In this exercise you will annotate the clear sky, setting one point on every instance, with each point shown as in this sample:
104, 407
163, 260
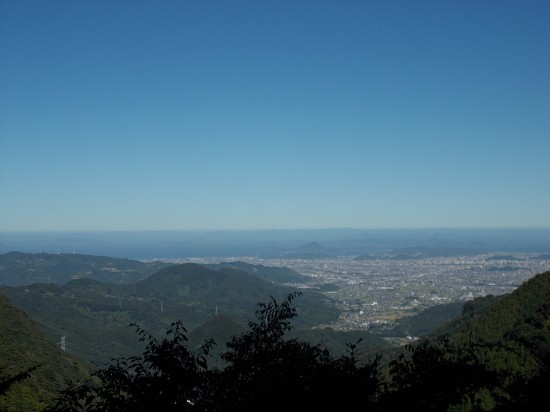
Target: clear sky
143, 115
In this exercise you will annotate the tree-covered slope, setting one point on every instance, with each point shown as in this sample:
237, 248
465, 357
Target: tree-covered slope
265, 371
17, 268
269, 273
94, 322
32, 369
493, 319
495, 356
426, 322
95, 316
228, 291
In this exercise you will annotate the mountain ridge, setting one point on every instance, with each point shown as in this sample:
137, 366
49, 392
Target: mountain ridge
18, 268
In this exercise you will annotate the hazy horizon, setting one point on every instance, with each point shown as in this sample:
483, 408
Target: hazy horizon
276, 243
140, 116
286, 229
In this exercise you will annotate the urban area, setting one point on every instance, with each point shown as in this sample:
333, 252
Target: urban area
377, 292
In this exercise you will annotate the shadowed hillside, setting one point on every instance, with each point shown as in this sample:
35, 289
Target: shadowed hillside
495, 357
32, 369
95, 316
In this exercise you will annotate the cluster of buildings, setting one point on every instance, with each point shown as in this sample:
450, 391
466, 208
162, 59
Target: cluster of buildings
378, 291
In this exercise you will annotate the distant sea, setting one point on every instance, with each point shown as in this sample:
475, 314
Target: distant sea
272, 243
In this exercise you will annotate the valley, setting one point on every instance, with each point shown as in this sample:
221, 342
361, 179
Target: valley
380, 302
374, 294
382, 298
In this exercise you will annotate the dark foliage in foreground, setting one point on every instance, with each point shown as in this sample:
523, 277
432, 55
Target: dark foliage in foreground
290, 373
262, 365
497, 359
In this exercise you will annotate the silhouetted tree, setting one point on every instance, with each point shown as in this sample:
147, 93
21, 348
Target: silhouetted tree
265, 371
166, 377
268, 372
439, 376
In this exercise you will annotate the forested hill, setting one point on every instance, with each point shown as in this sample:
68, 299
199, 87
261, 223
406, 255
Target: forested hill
269, 273
495, 356
17, 268
229, 291
497, 318
96, 315
32, 369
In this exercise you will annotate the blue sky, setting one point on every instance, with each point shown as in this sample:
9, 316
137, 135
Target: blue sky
143, 115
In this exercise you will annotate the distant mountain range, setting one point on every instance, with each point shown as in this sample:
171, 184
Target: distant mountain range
274, 243
311, 250
17, 268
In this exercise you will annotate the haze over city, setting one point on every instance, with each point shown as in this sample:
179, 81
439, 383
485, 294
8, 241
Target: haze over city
188, 115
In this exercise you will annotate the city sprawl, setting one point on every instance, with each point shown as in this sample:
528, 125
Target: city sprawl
375, 293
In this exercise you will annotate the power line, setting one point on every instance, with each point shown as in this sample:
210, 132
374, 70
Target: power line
74, 346
93, 359
94, 356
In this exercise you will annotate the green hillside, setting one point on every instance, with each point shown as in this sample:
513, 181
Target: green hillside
494, 319
32, 369
203, 291
426, 322
269, 273
95, 316
495, 356
512, 333
17, 268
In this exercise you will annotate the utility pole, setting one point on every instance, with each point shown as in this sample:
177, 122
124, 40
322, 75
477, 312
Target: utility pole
62, 343
161, 306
